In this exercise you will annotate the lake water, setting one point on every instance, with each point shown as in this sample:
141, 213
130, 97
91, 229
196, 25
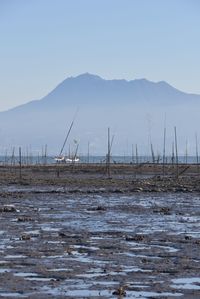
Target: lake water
7, 160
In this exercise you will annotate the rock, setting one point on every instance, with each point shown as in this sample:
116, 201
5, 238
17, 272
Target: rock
135, 238
188, 238
62, 235
98, 208
120, 292
24, 219
25, 237
137, 189
8, 209
164, 210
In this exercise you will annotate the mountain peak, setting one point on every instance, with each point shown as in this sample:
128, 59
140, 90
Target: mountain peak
88, 76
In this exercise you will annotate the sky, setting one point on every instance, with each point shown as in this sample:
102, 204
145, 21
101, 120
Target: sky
42, 42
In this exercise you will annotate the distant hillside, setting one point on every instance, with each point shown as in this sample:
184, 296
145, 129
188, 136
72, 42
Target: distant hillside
135, 111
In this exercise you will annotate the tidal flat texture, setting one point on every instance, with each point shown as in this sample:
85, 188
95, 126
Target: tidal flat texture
60, 245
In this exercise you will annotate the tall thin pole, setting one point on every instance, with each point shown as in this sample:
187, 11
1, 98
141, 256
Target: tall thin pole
13, 157
152, 154
26, 157
74, 157
176, 148
65, 141
197, 154
69, 151
30, 155
132, 154
5, 159
136, 153
88, 153
108, 154
136, 160
45, 154
186, 152
172, 153
164, 145
20, 163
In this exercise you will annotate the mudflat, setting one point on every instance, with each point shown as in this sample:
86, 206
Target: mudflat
71, 233
97, 178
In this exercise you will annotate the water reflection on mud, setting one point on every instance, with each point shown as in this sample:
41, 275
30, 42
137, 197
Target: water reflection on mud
88, 246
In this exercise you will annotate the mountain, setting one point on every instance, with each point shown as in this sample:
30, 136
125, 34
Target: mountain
135, 110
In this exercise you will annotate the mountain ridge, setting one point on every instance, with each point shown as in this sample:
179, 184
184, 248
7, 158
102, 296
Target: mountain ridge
87, 78
119, 103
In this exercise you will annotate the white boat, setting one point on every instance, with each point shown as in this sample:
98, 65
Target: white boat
63, 159
70, 158
60, 159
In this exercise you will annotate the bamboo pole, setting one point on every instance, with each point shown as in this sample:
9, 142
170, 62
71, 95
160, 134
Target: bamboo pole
45, 154
172, 153
88, 153
5, 158
186, 152
136, 160
164, 145
132, 153
197, 154
176, 148
152, 154
108, 155
136, 154
74, 157
13, 157
20, 163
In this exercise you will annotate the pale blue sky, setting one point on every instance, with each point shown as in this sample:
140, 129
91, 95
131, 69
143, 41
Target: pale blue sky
44, 41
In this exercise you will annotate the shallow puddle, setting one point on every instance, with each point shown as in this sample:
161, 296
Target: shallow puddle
17, 256
60, 270
26, 274
144, 294
76, 293
190, 283
11, 295
5, 270
43, 279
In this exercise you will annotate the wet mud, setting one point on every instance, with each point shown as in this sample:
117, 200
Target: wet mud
60, 244
95, 178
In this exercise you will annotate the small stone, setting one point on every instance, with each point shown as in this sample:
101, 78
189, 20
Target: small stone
120, 292
25, 237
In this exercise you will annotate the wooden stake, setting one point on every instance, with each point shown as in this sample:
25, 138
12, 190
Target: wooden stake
176, 147
172, 153
88, 153
136, 160
136, 154
20, 163
164, 151
186, 152
132, 154
197, 154
108, 154
152, 154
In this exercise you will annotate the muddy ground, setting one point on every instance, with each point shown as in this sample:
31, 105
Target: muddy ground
95, 178
89, 236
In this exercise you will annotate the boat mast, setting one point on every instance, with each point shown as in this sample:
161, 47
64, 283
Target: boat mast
70, 128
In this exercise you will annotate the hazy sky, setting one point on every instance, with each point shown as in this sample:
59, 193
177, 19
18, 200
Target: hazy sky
45, 41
